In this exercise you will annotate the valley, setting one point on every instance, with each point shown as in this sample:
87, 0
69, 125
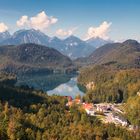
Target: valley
63, 112
110, 74
69, 70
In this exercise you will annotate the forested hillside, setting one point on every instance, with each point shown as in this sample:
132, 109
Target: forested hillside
110, 84
120, 55
26, 114
32, 58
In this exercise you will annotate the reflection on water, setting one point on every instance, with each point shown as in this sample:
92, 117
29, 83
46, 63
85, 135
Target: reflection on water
43, 82
67, 89
60, 84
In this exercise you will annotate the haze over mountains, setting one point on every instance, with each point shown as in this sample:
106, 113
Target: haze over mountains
98, 42
71, 46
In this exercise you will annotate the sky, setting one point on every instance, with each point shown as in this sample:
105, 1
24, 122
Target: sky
108, 19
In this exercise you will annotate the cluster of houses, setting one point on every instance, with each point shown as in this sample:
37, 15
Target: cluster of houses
89, 108
115, 118
120, 120
106, 109
72, 102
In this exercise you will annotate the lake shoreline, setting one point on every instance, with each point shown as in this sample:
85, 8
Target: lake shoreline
52, 84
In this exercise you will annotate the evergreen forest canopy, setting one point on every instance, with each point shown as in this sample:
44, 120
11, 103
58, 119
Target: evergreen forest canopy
30, 114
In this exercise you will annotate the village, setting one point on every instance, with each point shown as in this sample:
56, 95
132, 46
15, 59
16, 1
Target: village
106, 112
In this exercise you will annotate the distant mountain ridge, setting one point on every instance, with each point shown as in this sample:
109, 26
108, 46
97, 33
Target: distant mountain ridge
126, 54
26, 36
4, 36
71, 46
98, 42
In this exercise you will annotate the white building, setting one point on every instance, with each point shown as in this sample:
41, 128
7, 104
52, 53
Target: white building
120, 120
90, 111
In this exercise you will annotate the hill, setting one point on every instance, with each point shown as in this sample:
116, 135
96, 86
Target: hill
126, 54
107, 84
29, 58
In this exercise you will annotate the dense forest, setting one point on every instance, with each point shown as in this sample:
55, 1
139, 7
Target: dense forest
28, 114
113, 85
132, 109
110, 85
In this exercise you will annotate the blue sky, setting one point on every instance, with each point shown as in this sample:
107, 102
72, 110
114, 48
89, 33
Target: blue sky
77, 16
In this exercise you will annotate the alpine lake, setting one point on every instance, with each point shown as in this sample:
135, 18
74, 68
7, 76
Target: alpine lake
52, 84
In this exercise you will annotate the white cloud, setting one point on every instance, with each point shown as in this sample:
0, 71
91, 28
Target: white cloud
64, 33
39, 22
3, 27
23, 21
61, 32
100, 31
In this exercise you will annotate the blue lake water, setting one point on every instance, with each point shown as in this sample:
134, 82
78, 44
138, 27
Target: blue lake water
59, 84
69, 88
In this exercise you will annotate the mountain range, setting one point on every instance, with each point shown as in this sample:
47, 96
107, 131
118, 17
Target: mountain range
4, 36
98, 42
71, 46
122, 55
